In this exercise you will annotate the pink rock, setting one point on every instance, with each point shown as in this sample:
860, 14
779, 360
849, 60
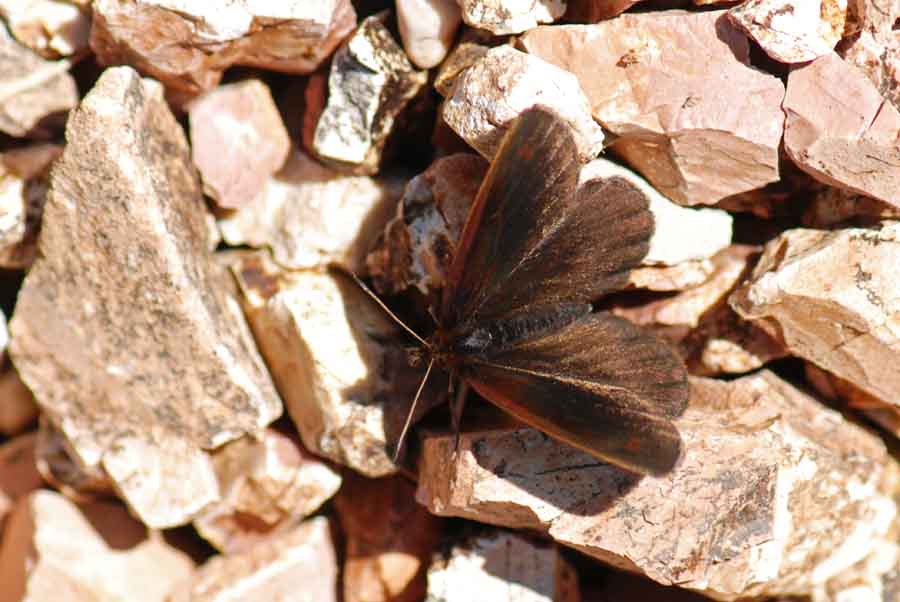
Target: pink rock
427, 28
841, 131
238, 141
699, 130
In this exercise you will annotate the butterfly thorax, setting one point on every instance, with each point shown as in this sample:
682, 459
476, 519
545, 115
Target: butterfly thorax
482, 338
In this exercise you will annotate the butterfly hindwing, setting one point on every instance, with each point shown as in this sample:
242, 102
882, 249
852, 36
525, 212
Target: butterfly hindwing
600, 384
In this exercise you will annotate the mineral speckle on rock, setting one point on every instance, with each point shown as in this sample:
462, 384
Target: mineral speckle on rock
370, 83
785, 493
133, 345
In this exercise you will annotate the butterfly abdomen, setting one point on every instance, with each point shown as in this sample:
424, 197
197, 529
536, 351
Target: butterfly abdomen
496, 335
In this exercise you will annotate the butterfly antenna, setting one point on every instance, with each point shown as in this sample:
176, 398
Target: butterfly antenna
393, 316
412, 410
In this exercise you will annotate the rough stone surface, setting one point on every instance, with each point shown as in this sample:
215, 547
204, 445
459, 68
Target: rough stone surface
187, 45
309, 215
55, 550
336, 357
833, 206
510, 16
841, 131
774, 494
833, 298
52, 28
389, 539
18, 473
686, 274
61, 467
791, 31
699, 131
370, 83
472, 46
18, 409
237, 141
427, 28
35, 94
24, 177
873, 45
488, 96
268, 485
502, 566
134, 345
297, 566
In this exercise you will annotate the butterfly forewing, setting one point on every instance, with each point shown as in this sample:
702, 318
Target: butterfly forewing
600, 384
532, 241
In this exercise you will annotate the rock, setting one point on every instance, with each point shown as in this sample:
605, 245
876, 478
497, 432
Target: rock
52, 28
774, 494
336, 358
872, 44
61, 467
427, 28
680, 234
18, 409
699, 132
832, 206
268, 485
297, 566
54, 549
723, 343
594, 11
510, 16
686, 274
832, 298
187, 45
841, 131
37, 94
389, 539
791, 31
18, 473
370, 84
133, 345
24, 177
472, 46
417, 246
238, 141
488, 96
310, 215
502, 566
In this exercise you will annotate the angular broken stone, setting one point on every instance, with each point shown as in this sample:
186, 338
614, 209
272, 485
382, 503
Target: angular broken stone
370, 83
299, 565
472, 46
85, 553
792, 31
24, 177
61, 467
833, 206
36, 93
594, 11
309, 215
510, 16
832, 297
774, 494
268, 485
841, 131
502, 566
18, 473
417, 246
698, 131
337, 359
159, 364
237, 141
427, 28
187, 45
683, 275
871, 43
723, 343
488, 96
52, 28
389, 539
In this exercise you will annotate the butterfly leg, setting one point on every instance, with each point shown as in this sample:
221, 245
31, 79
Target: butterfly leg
457, 403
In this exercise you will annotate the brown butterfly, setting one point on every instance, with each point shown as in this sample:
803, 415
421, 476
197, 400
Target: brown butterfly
515, 320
